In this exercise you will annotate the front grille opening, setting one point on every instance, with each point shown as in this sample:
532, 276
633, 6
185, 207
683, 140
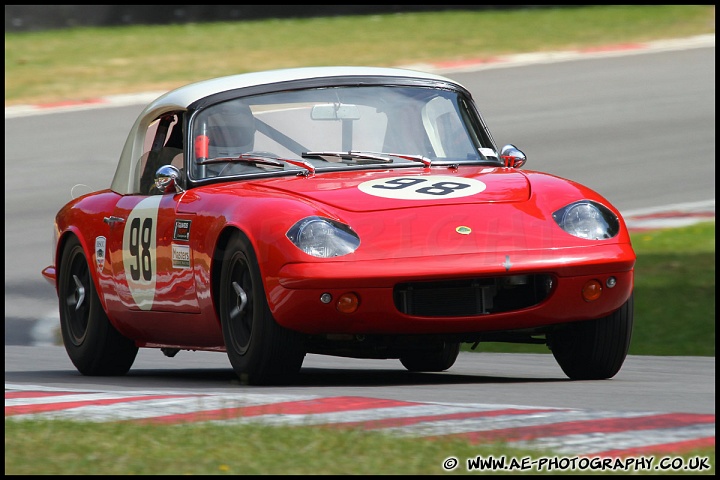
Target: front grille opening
477, 296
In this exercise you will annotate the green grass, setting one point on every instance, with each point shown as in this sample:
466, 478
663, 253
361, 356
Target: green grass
675, 292
83, 63
84, 448
675, 271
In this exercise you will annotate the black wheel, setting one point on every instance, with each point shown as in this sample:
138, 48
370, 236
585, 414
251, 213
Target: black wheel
436, 360
260, 351
94, 346
596, 349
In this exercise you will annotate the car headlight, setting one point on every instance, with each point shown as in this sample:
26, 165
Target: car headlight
323, 238
587, 219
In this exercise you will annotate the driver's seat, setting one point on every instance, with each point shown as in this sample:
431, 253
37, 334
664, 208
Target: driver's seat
235, 135
229, 140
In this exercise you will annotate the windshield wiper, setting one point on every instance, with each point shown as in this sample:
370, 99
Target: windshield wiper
351, 156
262, 160
415, 158
359, 157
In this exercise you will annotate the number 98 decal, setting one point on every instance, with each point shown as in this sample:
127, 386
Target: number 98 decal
139, 251
422, 187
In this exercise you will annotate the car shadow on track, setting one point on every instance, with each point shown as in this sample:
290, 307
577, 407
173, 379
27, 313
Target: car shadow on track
317, 377
308, 377
205, 379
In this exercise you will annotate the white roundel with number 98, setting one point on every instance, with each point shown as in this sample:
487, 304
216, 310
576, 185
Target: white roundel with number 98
422, 187
139, 251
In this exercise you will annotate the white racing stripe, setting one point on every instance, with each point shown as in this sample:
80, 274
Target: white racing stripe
354, 416
141, 409
134, 408
502, 422
70, 398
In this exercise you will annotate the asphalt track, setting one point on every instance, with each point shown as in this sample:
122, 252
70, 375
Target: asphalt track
488, 397
590, 430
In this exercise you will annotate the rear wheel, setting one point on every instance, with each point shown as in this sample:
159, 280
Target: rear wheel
595, 349
436, 360
94, 346
260, 350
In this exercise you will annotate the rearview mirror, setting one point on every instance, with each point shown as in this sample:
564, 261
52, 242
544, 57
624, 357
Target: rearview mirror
335, 111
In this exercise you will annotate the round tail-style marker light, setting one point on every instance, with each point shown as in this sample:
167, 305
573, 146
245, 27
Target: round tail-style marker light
591, 290
347, 303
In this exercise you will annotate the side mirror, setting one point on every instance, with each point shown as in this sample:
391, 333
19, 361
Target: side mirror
167, 178
512, 157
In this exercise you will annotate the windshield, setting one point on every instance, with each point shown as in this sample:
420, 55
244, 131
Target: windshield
320, 129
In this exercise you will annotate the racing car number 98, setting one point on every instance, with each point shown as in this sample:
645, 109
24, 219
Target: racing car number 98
422, 187
139, 251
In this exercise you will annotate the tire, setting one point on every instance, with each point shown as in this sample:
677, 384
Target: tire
596, 349
436, 360
94, 346
260, 351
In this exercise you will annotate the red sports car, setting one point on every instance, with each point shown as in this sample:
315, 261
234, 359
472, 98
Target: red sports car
348, 211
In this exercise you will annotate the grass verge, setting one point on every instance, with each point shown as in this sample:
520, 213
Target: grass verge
63, 448
84, 63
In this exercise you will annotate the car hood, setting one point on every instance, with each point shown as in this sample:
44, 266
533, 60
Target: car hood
397, 189
408, 213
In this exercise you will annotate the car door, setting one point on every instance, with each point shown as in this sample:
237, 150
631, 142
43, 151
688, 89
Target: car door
151, 256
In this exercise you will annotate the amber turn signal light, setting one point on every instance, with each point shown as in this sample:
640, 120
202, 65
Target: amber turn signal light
348, 303
591, 290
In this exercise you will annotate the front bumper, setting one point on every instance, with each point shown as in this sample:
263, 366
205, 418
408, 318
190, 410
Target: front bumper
295, 294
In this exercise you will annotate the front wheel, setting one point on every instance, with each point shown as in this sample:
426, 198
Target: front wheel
595, 349
436, 360
94, 346
260, 351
